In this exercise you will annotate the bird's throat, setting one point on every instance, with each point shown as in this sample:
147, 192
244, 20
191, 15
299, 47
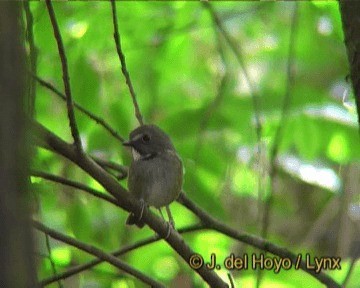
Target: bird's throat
136, 155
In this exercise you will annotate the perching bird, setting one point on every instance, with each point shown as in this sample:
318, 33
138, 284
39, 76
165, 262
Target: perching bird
156, 173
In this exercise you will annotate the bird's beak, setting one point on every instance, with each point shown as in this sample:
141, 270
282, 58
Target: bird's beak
128, 143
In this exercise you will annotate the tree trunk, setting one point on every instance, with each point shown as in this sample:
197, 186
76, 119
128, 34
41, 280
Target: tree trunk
351, 22
16, 250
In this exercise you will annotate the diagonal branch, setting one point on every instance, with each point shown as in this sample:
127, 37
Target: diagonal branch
98, 253
66, 78
282, 123
52, 264
235, 47
123, 63
74, 184
110, 165
92, 116
266, 217
218, 99
80, 268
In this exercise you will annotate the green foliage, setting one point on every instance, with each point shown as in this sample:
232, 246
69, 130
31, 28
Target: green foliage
174, 62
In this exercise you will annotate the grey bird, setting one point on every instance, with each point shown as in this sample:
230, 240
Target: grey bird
156, 173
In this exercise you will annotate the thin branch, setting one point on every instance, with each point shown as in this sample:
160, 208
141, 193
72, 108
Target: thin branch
92, 116
284, 114
76, 185
125, 200
232, 284
98, 253
220, 93
33, 56
80, 268
349, 273
47, 241
212, 223
265, 223
66, 78
123, 63
235, 47
122, 170
320, 226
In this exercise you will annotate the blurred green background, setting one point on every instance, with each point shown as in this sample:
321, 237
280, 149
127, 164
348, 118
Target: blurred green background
177, 61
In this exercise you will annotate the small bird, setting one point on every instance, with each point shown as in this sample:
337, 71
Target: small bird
156, 173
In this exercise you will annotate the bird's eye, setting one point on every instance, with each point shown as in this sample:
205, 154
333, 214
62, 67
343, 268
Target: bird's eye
145, 138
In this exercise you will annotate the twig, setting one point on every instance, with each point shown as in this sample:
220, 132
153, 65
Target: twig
66, 78
348, 274
47, 241
284, 114
232, 284
321, 225
212, 223
74, 184
265, 223
123, 170
80, 268
98, 253
216, 101
92, 116
33, 56
235, 47
123, 63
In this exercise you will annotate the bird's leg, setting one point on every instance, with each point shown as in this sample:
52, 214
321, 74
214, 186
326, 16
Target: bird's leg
168, 223
162, 215
171, 219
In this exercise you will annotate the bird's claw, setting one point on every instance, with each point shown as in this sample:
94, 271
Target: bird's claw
170, 225
142, 208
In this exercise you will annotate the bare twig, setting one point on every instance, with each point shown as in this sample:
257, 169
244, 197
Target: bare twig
80, 268
235, 47
349, 273
123, 63
76, 185
232, 284
92, 116
122, 170
267, 246
284, 115
265, 223
98, 253
33, 56
47, 241
66, 78
320, 226
220, 93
